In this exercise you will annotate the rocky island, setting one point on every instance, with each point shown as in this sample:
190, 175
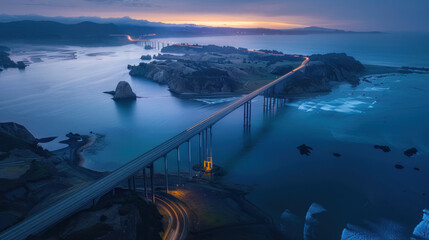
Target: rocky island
123, 92
214, 70
208, 70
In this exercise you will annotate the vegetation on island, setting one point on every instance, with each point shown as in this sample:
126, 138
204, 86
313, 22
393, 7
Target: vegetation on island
207, 70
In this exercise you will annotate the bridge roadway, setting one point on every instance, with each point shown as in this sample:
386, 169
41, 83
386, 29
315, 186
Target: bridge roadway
65, 207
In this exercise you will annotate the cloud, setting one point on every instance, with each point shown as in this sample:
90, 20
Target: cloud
130, 3
347, 14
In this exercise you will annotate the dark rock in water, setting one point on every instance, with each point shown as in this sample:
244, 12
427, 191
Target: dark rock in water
5, 61
399, 166
336, 155
384, 148
73, 139
71, 135
417, 169
20, 65
123, 92
304, 149
110, 92
148, 47
146, 57
410, 152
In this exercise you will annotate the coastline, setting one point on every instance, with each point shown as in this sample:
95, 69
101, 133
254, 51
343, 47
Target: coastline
75, 157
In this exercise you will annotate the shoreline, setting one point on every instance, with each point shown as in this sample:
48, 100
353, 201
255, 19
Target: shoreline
75, 158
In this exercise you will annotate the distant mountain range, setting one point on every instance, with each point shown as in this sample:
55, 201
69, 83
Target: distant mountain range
40, 27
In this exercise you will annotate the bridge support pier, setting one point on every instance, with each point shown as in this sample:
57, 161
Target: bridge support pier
134, 183
144, 182
211, 143
208, 160
200, 148
189, 159
166, 172
178, 166
247, 113
151, 183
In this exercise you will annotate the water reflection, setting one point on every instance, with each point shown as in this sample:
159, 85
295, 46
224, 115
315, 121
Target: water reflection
126, 109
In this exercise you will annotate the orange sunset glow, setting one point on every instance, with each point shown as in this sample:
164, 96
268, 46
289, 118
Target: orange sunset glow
239, 24
219, 20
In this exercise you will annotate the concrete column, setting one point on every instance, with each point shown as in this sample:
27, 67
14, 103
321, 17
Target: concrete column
207, 146
166, 172
211, 142
200, 147
144, 182
151, 182
250, 112
189, 159
178, 166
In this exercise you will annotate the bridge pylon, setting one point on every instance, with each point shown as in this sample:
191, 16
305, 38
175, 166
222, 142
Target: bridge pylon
208, 164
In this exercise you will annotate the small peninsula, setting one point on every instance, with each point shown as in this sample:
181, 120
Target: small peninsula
6, 62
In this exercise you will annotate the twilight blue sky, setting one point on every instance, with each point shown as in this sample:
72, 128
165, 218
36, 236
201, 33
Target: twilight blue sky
361, 15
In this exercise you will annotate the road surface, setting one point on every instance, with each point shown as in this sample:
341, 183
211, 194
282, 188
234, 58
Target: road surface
178, 224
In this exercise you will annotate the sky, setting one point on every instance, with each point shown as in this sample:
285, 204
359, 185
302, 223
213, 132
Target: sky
357, 15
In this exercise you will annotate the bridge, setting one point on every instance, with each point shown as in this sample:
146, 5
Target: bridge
87, 195
153, 43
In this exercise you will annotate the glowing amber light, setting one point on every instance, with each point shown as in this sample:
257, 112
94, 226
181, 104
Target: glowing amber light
208, 164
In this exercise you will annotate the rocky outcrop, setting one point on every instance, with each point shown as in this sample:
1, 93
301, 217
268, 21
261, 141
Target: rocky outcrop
304, 149
410, 152
14, 135
382, 147
6, 62
146, 57
421, 231
123, 92
291, 225
316, 223
30, 177
322, 71
374, 230
183, 77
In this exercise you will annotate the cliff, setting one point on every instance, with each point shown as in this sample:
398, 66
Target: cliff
6, 62
324, 70
30, 176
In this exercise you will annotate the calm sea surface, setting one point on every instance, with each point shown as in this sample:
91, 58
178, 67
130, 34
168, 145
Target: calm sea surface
62, 91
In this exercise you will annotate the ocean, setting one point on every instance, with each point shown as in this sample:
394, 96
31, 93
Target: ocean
62, 91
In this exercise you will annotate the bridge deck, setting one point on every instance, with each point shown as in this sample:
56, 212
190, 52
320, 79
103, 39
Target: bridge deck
73, 203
